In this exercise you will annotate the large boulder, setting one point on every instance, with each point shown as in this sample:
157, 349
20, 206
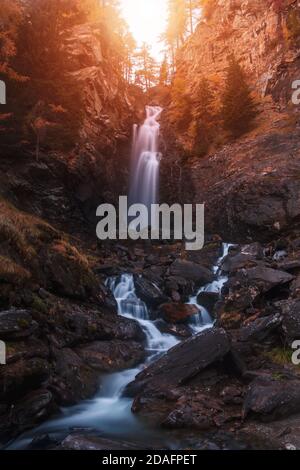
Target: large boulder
183, 362
208, 300
267, 278
148, 292
191, 271
177, 312
110, 356
290, 310
270, 399
258, 330
232, 264
72, 379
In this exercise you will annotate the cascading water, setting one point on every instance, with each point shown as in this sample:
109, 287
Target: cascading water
145, 161
110, 412
203, 319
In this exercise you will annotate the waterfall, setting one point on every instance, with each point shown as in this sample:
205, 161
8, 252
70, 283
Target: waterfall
144, 181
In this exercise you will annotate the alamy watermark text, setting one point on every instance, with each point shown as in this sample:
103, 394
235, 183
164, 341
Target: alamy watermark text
157, 222
2, 92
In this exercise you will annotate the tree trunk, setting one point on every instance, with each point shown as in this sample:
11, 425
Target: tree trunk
37, 150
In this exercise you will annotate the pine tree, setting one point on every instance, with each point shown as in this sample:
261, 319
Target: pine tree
12, 13
238, 106
146, 73
203, 117
180, 109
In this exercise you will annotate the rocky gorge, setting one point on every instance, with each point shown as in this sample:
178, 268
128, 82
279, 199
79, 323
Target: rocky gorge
231, 383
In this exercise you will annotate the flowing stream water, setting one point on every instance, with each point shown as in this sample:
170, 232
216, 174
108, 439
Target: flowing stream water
109, 413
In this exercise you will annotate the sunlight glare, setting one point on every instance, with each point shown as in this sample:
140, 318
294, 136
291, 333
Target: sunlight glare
147, 21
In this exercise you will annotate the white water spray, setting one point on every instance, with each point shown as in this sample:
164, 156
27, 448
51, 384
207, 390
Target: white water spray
144, 182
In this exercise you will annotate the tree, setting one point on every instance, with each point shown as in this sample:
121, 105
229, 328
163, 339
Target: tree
146, 67
238, 106
129, 47
12, 13
193, 12
180, 109
177, 21
208, 8
182, 15
164, 72
204, 117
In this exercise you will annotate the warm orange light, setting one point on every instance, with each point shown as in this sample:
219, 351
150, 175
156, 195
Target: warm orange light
146, 20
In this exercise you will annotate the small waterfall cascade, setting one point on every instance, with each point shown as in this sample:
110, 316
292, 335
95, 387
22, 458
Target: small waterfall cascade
109, 412
203, 319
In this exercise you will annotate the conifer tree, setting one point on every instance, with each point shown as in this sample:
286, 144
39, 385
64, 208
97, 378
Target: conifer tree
238, 106
203, 117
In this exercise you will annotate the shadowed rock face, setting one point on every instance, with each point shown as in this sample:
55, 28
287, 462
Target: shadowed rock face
250, 188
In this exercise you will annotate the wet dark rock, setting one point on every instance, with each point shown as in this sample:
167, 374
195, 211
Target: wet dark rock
191, 271
183, 362
177, 312
283, 434
32, 409
208, 300
289, 265
72, 379
31, 348
244, 290
182, 287
67, 273
15, 324
232, 395
295, 287
110, 356
232, 264
18, 378
80, 325
179, 330
148, 292
83, 442
255, 249
209, 254
267, 278
258, 330
186, 417
290, 310
269, 399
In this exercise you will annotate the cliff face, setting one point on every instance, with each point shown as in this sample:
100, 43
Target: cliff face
108, 108
264, 37
75, 178
101, 160
250, 185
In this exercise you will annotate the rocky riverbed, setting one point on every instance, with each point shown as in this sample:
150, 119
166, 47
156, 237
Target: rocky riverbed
236, 378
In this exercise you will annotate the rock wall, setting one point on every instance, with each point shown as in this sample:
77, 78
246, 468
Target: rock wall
258, 33
250, 186
101, 162
69, 184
